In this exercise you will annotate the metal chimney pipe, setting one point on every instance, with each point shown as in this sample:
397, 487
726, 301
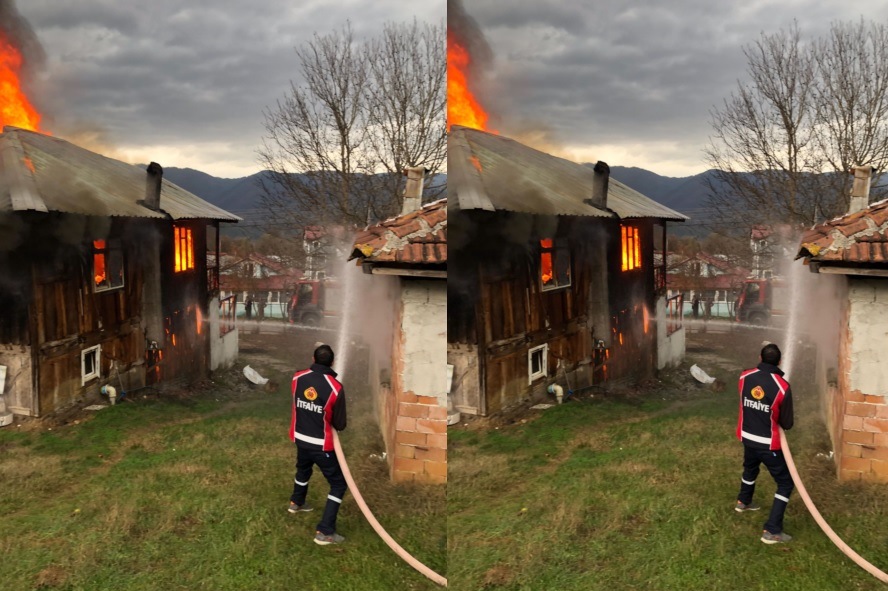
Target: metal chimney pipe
413, 191
600, 184
152, 186
860, 189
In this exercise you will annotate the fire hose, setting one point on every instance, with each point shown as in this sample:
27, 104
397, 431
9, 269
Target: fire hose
406, 556
848, 551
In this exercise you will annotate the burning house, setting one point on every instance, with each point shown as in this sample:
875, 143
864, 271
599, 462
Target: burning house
412, 402
854, 250
104, 275
553, 276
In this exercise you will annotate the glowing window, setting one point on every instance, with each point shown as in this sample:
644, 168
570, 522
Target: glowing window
184, 249
631, 247
554, 264
107, 266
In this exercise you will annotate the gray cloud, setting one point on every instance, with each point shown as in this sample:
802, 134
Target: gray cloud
634, 74
193, 77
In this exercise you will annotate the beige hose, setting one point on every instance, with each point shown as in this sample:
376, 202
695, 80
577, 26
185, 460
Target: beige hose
376, 526
862, 562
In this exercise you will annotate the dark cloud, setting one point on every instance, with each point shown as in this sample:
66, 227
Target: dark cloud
633, 74
192, 77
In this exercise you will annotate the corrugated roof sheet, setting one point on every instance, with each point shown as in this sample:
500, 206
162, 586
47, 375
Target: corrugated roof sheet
493, 172
43, 173
416, 238
860, 237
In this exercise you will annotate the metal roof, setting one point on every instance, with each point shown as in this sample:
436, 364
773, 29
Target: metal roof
43, 173
493, 172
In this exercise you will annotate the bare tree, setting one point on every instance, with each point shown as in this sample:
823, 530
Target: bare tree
337, 144
783, 144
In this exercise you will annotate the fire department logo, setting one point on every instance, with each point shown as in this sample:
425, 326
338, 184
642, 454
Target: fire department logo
311, 393
757, 393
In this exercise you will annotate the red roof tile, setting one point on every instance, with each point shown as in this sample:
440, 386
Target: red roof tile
416, 238
861, 237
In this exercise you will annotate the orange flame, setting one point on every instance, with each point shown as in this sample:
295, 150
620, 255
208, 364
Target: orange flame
646, 319
199, 319
15, 108
99, 262
546, 273
462, 106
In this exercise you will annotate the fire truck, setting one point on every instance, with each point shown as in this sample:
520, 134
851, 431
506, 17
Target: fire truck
313, 300
763, 301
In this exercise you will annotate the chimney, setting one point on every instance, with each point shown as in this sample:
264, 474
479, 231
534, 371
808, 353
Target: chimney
860, 189
152, 186
413, 191
599, 185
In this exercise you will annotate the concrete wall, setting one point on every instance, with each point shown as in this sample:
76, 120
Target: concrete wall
224, 349
671, 348
419, 382
861, 439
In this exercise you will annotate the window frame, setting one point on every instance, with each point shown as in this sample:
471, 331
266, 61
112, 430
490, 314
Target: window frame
96, 373
110, 247
630, 248
183, 238
560, 247
544, 367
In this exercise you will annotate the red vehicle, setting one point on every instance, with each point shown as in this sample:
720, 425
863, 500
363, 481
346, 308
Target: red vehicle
762, 301
312, 300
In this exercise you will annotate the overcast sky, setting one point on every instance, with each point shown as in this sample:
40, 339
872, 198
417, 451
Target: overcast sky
630, 82
183, 83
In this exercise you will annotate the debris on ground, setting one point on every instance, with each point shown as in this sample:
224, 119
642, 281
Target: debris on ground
252, 375
700, 375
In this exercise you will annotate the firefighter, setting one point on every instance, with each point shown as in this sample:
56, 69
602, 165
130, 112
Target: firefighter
765, 404
318, 408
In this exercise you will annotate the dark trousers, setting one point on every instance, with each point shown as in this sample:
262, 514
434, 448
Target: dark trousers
776, 465
329, 465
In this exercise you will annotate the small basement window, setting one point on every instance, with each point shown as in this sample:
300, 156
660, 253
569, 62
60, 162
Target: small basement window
537, 360
90, 364
108, 268
631, 247
184, 249
554, 264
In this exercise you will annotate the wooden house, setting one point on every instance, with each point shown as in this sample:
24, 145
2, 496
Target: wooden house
104, 275
553, 278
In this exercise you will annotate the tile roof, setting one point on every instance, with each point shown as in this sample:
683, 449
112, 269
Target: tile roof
860, 238
416, 238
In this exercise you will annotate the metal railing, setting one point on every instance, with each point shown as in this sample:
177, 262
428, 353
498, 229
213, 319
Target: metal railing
674, 307
227, 312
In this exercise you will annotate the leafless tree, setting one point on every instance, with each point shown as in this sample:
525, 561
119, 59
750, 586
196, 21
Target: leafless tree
783, 144
337, 144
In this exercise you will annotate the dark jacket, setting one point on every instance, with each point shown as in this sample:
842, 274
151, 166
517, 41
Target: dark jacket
765, 403
318, 407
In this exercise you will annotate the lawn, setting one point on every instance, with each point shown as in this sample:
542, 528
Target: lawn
634, 489
189, 489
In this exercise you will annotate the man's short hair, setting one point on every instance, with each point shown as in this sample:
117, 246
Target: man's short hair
323, 355
771, 354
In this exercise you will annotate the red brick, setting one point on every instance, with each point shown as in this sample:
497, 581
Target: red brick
420, 411
882, 411
846, 475
438, 412
851, 451
427, 400
880, 439
874, 399
875, 453
431, 478
856, 464
408, 465
860, 409
408, 438
408, 397
858, 437
875, 425
406, 424
405, 451
398, 476
855, 396
436, 440
431, 426
852, 423
436, 468
881, 469
433, 454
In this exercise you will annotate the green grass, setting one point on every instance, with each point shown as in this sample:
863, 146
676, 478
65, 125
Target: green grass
191, 494
636, 492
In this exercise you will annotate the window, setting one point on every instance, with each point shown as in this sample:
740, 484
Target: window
184, 249
90, 364
554, 264
537, 359
631, 247
107, 266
